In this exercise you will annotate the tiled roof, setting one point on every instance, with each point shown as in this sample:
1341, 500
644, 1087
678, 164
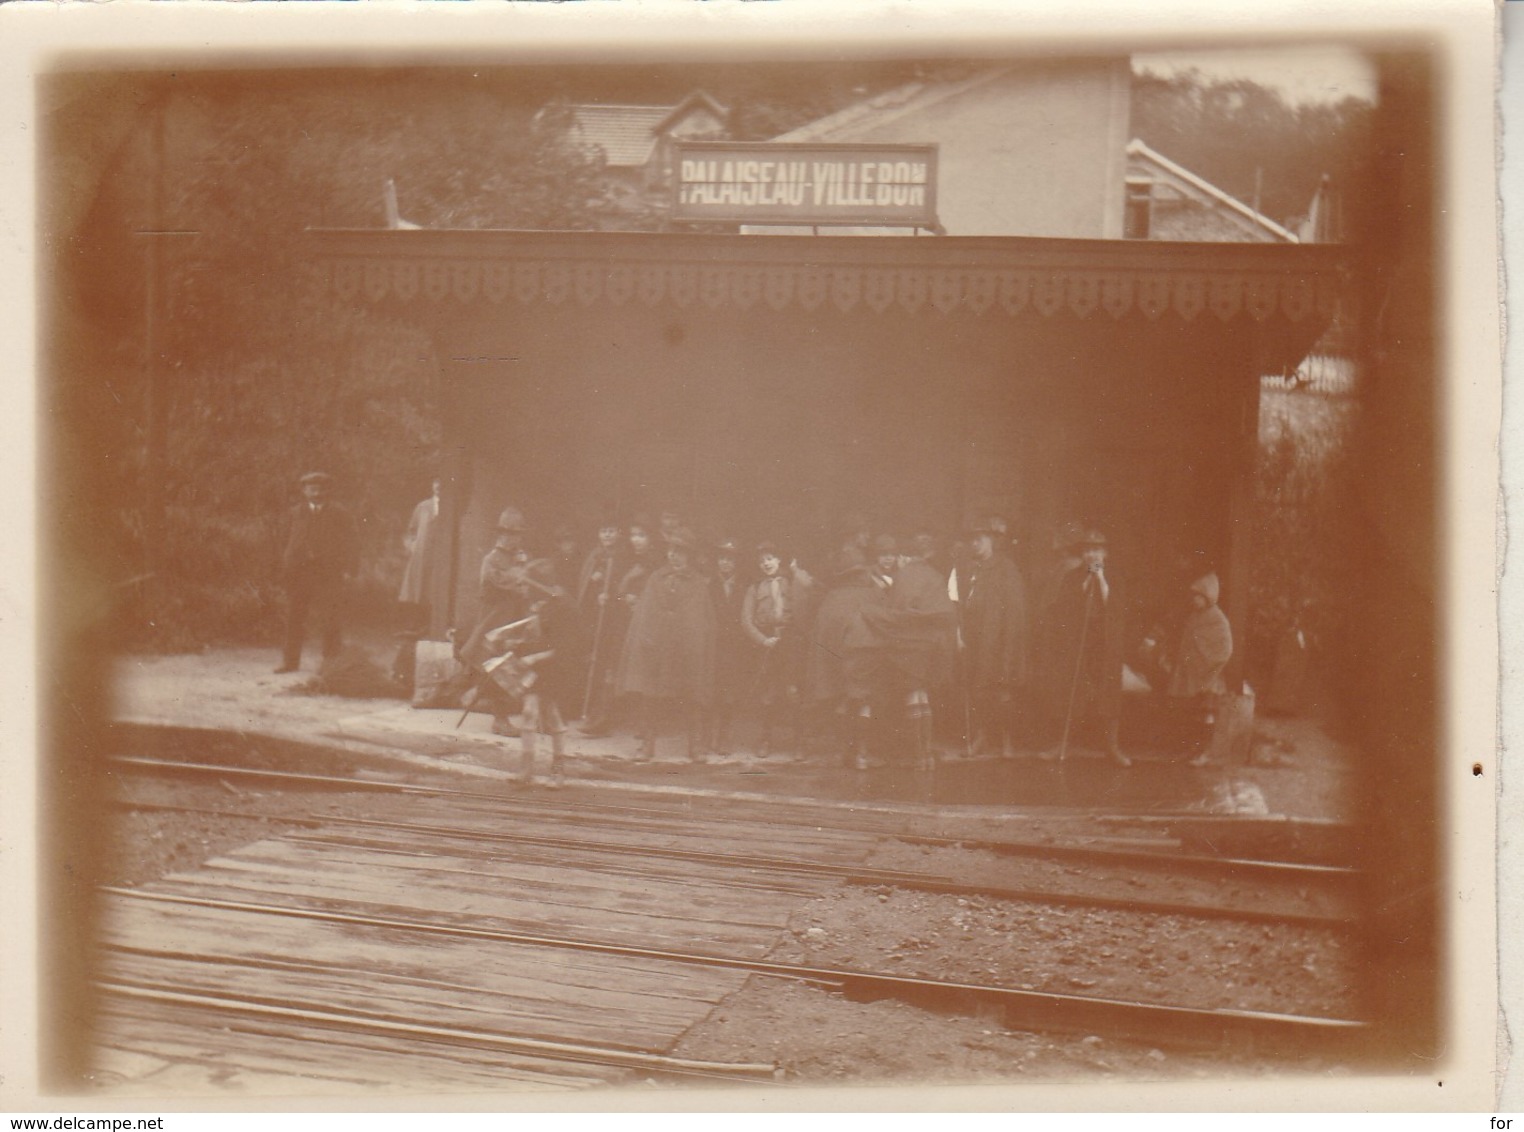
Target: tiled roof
881, 108
624, 133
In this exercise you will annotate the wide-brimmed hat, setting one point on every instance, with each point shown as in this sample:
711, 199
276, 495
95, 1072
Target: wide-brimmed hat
511, 520
322, 479
727, 548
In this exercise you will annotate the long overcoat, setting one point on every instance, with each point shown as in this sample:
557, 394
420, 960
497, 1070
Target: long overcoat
917, 624
840, 634
996, 637
1082, 647
423, 545
669, 648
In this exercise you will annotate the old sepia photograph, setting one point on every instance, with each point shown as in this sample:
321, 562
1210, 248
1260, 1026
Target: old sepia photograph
795, 558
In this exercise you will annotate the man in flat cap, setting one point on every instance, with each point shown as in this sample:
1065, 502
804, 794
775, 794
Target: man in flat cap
322, 552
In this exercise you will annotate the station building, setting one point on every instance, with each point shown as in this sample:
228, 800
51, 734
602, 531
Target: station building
1028, 361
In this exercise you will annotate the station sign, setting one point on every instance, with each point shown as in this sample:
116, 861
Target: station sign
802, 183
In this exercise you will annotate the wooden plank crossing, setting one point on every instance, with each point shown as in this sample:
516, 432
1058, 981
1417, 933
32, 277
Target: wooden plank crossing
246, 999
154, 1049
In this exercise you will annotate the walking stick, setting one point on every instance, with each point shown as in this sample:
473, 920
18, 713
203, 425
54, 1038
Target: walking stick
968, 718
968, 710
1079, 661
592, 662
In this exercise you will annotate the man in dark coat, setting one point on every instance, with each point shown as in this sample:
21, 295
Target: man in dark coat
993, 627
669, 649
322, 552
917, 624
1083, 661
841, 665
731, 649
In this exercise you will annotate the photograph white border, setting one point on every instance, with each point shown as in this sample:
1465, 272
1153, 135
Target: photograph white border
138, 34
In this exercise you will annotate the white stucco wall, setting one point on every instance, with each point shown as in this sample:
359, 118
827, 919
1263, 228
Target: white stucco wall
1037, 150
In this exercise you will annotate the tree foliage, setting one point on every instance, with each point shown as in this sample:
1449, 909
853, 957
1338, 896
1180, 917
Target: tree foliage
1249, 141
254, 380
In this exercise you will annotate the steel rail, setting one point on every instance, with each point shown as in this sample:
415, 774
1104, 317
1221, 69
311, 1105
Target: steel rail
1231, 867
861, 876
855, 875
1235, 868
392, 1026
1020, 1009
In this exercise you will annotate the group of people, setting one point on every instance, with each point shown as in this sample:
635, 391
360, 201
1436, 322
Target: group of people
654, 631
882, 641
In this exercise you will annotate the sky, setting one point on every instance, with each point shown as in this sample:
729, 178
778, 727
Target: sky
1301, 74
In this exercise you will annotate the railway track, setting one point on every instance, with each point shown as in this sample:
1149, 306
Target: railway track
1156, 847
375, 930
575, 840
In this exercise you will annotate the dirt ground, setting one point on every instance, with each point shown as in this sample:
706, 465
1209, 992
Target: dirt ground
813, 1035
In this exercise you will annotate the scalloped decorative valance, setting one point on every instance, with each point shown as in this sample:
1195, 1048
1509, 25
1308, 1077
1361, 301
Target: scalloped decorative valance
1078, 292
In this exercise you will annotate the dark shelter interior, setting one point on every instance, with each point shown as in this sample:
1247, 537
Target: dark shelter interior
768, 387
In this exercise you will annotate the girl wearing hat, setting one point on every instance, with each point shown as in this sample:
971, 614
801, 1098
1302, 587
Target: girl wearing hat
1195, 667
770, 615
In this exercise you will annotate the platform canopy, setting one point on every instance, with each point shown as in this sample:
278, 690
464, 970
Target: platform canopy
766, 385
1278, 286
